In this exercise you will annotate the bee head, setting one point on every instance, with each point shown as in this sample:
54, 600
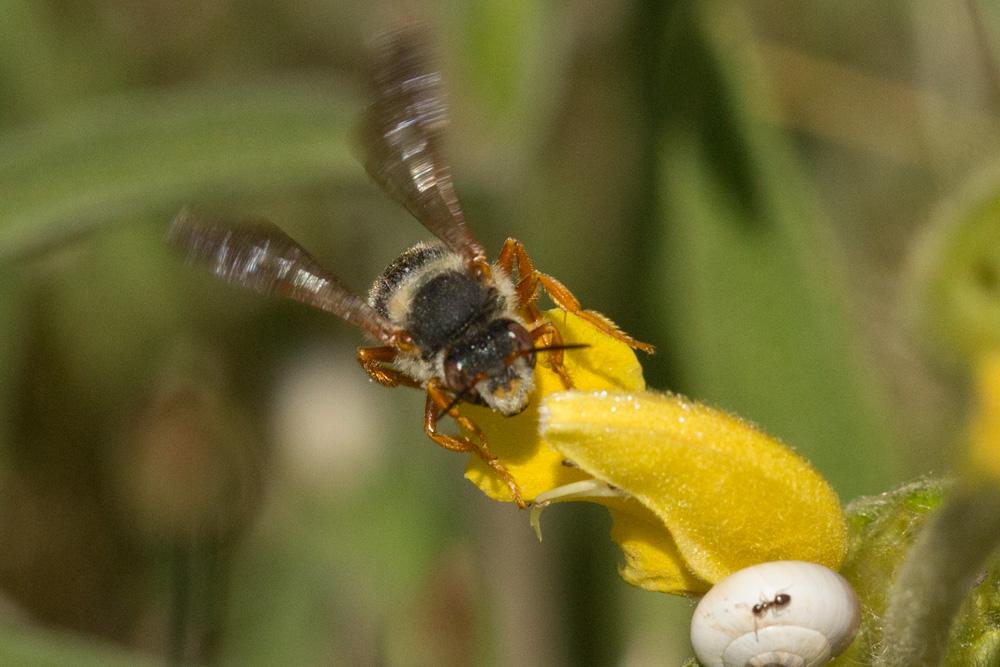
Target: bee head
495, 364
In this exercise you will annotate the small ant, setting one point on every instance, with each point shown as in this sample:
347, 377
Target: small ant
780, 600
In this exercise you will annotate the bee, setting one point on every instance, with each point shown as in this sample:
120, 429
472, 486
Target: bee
445, 319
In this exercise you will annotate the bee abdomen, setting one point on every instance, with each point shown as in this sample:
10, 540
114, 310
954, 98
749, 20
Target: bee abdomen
397, 273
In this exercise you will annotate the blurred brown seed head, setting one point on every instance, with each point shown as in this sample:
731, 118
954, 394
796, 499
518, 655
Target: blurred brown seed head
189, 461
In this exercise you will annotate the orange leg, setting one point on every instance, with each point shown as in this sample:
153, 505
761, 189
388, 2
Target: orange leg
513, 254
565, 300
438, 400
371, 360
551, 336
506, 257
527, 286
528, 279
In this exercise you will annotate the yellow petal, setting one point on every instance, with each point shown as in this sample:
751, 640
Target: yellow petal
729, 495
652, 559
606, 364
985, 436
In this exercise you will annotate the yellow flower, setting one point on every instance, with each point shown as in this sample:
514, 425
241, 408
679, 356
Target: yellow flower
694, 493
728, 495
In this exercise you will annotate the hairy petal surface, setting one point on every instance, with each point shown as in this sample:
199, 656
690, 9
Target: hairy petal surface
729, 495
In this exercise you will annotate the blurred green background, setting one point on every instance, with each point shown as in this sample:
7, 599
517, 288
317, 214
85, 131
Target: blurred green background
194, 474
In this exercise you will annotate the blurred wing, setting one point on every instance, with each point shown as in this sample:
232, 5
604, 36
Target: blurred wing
263, 258
401, 136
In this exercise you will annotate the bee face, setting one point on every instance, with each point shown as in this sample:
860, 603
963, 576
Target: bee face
495, 361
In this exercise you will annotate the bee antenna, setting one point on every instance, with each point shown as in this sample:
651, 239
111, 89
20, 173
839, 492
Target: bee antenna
547, 348
561, 346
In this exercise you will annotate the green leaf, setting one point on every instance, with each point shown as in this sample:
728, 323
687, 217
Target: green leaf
753, 292
144, 151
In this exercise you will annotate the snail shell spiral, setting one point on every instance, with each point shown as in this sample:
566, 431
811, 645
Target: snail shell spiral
783, 613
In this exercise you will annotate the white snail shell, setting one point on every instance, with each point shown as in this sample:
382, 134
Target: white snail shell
817, 621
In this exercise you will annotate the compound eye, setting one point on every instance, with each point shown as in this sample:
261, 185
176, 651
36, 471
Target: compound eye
522, 343
454, 374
